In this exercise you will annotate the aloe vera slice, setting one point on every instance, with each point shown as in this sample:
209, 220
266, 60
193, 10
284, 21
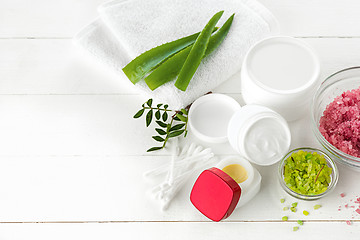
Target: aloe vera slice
171, 67
141, 65
196, 54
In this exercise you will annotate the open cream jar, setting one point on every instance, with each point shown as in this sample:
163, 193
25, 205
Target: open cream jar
221, 189
258, 133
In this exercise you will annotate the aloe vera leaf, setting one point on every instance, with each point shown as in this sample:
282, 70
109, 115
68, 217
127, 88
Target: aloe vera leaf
141, 65
196, 54
171, 67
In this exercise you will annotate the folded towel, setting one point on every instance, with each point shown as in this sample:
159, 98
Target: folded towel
127, 28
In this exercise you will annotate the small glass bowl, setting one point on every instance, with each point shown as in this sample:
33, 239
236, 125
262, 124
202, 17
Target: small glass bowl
332, 87
334, 175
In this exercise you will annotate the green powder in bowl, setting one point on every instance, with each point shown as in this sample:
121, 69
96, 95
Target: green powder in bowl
307, 173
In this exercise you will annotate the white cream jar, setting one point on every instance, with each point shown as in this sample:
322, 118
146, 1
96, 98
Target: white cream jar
258, 133
280, 73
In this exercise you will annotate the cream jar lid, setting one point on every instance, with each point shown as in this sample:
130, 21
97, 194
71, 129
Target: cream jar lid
209, 117
283, 65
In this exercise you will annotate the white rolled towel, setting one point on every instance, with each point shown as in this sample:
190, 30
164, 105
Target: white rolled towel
127, 28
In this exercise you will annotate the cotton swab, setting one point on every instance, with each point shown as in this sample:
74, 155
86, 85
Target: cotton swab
183, 163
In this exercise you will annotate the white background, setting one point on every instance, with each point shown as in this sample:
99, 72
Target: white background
72, 157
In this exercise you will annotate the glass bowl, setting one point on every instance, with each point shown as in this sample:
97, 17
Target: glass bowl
330, 163
332, 87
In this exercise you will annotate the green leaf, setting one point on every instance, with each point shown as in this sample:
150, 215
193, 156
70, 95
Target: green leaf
170, 68
161, 124
149, 116
159, 105
154, 149
177, 127
181, 117
149, 102
150, 59
184, 111
196, 53
166, 106
176, 133
160, 131
168, 127
165, 116
157, 114
139, 113
158, 138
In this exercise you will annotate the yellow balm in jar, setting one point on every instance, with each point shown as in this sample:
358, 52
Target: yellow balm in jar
244, 174
236, 172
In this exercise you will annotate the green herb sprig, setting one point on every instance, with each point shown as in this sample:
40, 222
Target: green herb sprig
167, 128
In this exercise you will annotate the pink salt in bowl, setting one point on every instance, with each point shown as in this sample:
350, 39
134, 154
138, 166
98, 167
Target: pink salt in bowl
336, 116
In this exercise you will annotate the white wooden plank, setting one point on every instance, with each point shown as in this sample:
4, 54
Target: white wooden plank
316, 18
113, 189
76, 125
68, 125
56, 67
42, 18
191, 231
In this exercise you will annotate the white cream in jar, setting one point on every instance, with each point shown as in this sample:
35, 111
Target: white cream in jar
259, 134
265, 140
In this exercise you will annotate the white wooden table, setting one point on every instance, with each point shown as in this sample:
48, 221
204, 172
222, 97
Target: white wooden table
72, 157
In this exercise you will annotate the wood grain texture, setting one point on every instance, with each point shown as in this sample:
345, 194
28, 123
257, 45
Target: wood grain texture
62, 19
112, 188
71, 151
55, 66
179, 231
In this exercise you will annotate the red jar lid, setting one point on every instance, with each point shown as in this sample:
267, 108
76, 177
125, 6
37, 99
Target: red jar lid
215, 194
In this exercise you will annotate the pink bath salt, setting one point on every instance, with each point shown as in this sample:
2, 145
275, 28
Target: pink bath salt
340, 123
348, 222
342, 194
347, 205
358, 210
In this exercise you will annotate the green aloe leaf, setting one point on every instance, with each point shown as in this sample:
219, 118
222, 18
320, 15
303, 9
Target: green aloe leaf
172, 67
148, 60
196, 54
